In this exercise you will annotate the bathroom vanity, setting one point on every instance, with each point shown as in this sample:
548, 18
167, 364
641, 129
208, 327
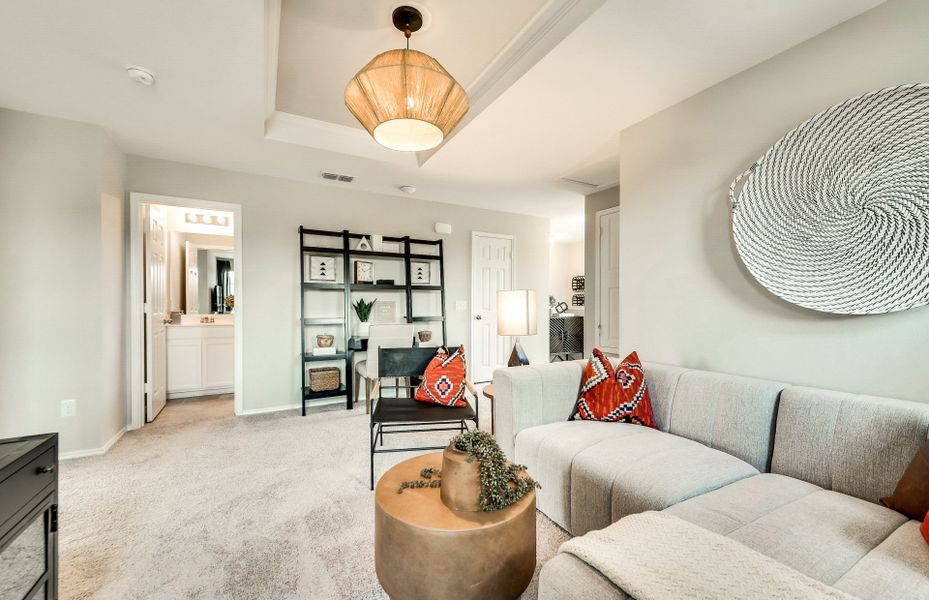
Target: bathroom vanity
200, 357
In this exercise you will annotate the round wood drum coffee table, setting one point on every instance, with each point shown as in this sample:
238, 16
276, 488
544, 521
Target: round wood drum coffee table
424, 550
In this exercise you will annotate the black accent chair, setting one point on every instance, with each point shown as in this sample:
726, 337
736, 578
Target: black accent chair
404, 414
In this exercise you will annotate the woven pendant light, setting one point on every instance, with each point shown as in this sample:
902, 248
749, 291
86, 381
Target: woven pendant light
404, 98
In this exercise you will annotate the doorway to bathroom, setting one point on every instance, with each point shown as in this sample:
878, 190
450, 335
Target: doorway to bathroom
186, 301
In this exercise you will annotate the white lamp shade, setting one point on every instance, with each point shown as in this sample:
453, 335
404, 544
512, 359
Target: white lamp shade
516, 312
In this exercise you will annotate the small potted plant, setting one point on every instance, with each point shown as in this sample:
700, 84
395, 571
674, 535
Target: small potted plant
475, 475
363, 312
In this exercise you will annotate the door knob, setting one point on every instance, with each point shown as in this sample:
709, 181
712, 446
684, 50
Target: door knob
477, 317
46, 469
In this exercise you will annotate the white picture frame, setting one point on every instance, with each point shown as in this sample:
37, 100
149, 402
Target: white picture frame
320, 268
420, 272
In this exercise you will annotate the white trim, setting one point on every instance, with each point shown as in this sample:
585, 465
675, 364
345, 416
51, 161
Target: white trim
202, 392
278, 408
476, 234
94, 451
596, 316
272, 46
135, 409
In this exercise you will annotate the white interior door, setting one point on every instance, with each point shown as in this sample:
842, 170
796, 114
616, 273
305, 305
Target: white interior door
607, 314
156, 301
491, 270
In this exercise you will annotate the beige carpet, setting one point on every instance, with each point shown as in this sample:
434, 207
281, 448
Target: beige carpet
203, 504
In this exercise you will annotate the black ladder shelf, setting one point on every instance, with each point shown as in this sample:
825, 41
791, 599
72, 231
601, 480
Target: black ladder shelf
345, 351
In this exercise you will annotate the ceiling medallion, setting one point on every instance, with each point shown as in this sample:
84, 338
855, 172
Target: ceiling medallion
404, 98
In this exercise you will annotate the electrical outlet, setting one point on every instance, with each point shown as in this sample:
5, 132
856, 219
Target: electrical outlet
68, 408
461, 305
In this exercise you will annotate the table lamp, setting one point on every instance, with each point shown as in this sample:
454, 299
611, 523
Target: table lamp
516, 316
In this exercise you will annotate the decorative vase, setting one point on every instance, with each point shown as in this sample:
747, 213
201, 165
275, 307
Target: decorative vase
324, 340
364, 328
461, 481
425, 335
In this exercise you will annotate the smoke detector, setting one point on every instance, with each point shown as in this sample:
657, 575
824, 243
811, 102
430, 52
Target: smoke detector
408, 189
140, 75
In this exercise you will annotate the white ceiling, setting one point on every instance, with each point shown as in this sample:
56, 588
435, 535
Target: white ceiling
549, 104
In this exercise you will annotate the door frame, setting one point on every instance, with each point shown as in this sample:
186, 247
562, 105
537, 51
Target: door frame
476, 234
136, 400
597, 280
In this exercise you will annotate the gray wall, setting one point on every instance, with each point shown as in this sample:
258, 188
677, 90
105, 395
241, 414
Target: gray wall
272, 209
601, 200
686, 299
62, 270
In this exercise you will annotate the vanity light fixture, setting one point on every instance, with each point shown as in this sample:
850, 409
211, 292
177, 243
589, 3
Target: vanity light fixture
205, 219
404, 98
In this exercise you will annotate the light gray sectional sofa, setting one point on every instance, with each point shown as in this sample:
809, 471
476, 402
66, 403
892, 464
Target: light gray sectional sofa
793, 473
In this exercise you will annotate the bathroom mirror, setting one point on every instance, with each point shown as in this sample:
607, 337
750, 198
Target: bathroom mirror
210, 280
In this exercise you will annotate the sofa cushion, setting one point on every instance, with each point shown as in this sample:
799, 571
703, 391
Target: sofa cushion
857, 445
818, 532
650, 470
567, 576
730, 413
662, 384
548, 451
897, 569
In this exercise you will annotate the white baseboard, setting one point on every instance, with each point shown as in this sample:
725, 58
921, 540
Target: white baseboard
268, 409
203, 392
93, 451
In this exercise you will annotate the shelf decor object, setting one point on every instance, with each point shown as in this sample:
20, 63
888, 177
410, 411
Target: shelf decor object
420, 272
577, 283
364, 271
322, 268
516, 316
577, 300
321, 300
834, 216
404, 98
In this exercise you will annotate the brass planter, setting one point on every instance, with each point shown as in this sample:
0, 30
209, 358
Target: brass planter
461, 480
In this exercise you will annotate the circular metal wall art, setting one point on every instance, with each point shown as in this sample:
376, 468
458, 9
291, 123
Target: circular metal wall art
835, 216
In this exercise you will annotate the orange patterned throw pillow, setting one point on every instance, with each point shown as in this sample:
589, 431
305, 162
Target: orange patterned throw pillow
443, 381
617, 395
924, 529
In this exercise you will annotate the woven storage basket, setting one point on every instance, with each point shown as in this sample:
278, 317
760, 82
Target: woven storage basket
324, 379
835, 216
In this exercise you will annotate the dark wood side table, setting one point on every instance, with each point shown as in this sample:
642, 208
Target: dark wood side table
424, 550
488, 392
29, 517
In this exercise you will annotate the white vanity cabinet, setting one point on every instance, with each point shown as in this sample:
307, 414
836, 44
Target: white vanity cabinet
200, 360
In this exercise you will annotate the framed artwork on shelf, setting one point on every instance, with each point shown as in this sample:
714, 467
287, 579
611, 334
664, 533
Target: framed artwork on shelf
577, 300
385, 311
420, 273
577, 283
319, 268
364, 271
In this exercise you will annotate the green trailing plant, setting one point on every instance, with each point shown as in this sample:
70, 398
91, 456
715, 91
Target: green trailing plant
427, 480
502, 483
363, 309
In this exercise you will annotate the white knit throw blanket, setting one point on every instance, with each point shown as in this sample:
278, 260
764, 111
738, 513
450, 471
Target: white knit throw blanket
657, 556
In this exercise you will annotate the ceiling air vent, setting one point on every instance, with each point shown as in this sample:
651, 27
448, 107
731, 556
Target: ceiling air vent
337, 177
579, 182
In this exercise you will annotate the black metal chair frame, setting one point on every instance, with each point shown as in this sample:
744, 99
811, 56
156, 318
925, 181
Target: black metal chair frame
408, 365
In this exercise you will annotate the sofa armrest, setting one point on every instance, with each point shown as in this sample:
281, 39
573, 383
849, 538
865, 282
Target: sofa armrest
533, 395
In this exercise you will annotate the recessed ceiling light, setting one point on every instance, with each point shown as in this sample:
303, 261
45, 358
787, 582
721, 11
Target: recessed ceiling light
408, 189
140, 75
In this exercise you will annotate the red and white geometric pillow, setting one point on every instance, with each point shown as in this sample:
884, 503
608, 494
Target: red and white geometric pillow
443, 381
617, 395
